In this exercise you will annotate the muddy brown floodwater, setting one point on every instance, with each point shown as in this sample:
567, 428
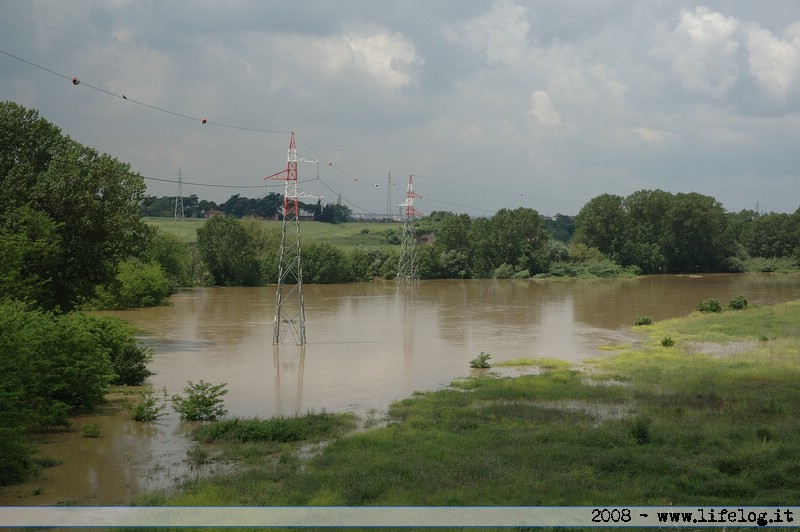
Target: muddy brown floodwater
368, 344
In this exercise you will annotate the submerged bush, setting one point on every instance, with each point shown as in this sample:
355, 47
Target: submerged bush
147, 408
481, 361
202, 403
709, 305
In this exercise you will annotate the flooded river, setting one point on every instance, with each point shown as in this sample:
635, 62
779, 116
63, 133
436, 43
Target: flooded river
368, 344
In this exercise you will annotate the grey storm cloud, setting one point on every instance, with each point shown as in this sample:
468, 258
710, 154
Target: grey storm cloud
490, 104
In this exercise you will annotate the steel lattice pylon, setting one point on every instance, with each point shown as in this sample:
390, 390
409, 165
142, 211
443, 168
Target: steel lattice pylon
289, 305
179, 198
408, 267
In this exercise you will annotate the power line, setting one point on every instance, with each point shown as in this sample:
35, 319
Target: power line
77, 81
204, 120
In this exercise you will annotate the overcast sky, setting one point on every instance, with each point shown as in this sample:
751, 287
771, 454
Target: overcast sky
488, 104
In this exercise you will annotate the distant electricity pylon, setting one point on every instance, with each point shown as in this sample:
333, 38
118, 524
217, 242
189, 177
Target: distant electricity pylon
179, 198
389, 197
408, 268
289, 304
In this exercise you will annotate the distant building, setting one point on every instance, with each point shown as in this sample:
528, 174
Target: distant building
214, 212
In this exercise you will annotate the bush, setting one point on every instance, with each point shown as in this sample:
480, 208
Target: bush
643, 320
128, 359
91, 430
15, 457
737, 303
709, 305
137, 284
147, 408
227, 249
325, 264
481, 361
504, 271
640, 430
667, 342
173, 255
203, 401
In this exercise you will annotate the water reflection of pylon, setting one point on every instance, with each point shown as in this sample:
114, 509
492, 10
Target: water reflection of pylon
290, 358
408, 329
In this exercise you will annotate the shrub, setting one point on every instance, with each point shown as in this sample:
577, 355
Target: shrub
481, 361
737, 303
640, 430
667, 342
128, 359
15, 459
137, 284
147, 408
709, 305
504, 271
91, 430
643, 320
323, 263
203, 401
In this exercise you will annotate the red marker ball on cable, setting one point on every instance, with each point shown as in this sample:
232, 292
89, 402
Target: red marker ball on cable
204, 120
76, 81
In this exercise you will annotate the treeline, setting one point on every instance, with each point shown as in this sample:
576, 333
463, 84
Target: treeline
512, 243
267, 207
660, 232
647, 232
70, 234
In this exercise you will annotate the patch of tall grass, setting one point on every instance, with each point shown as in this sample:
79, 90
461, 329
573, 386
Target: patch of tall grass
277, 429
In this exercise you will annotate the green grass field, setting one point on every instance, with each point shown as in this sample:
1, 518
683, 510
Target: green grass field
349, 234
711, 420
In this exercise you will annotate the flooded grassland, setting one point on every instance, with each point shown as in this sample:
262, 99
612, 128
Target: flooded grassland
369, 345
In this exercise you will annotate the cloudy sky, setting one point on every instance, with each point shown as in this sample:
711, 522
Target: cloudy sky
489, 104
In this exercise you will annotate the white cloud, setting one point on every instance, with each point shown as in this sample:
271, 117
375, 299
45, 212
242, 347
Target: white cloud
774, 62
389, 57
703, 49
543, 109
499, 35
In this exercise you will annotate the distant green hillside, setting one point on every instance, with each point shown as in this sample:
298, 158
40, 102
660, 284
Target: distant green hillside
349, 234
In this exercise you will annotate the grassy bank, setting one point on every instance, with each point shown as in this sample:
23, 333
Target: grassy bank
348, 234
711, 420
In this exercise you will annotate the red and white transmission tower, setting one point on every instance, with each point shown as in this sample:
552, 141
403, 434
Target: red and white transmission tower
289, 304
408, 268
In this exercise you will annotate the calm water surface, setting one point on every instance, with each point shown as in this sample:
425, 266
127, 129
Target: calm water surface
368, 344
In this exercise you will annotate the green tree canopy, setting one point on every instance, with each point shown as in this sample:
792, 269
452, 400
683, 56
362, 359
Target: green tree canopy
68, 215
228, 250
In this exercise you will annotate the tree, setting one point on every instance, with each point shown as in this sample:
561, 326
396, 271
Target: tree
334, 213
647, 212
696, 234
81, 207
518, 235
561, 226
602, 223
227, 250
772, 235
453, 232
325, 264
